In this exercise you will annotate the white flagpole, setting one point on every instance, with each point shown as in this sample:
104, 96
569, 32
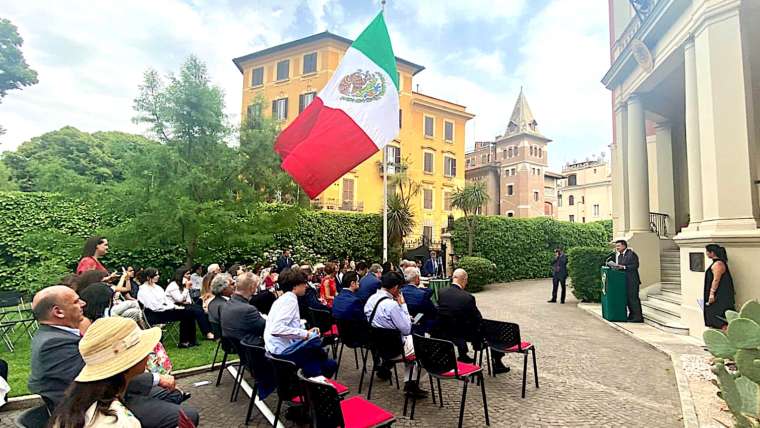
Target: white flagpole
385, 204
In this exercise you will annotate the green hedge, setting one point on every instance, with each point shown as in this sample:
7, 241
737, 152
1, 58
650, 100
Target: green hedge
480, 272
523, 248
41, 238
583, 266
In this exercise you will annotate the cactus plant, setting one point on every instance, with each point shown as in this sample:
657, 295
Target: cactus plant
740, 344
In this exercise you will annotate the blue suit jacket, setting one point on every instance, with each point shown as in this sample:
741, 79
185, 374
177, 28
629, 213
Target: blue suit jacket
348, 306
418, 300
429, 270
367, 287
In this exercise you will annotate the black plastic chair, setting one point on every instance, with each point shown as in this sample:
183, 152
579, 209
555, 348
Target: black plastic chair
327, 410
260, 368
216, 328
324, 320
36, 417
354, 335
386, 345
235, 345
438, 358
288, 384
505, 337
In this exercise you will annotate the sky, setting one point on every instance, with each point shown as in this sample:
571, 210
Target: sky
91, 56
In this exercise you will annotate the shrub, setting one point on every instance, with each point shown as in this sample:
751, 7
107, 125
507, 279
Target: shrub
583, 266
522, 248
480, 272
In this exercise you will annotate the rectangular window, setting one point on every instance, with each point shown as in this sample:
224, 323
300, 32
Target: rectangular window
427, 162
596, 210
510, 189
283, 70
348, 191
447, 201
253, 114
427, 195
429, 126
257, 76
572, 218
399, 118
448, 131
535, 196
280, 109
449, 167
304, 100
427, 233
310, 63
559, 200
394, 155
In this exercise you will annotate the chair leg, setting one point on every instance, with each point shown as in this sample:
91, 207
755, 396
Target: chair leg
277, 412
250, 403
356, 356
535, 367
395, 372
364, 368
213, 362
414, 398
340, 356
432, 389
488, 361
371, 380
221, 368
485, 400
238, 382
440, 393
525, 374
461, 405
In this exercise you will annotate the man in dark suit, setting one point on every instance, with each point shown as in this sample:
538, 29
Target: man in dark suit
222, 288
284, 261
369, 285
240, 319
347, 305
419, 301
459, 320
432, 266
559, 275
56, 361
628, 261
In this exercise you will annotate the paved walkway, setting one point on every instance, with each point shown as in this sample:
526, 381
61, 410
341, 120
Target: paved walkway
590, 375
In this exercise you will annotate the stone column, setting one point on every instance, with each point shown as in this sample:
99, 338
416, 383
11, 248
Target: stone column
729, 196
692, 136
638, 174
620, 172
666, 203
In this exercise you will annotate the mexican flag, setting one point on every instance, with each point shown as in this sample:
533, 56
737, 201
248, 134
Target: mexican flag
352, 117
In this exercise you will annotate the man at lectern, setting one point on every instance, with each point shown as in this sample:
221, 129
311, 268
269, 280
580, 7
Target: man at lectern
627, 261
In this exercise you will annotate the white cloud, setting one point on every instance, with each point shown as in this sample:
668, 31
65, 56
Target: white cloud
438, 13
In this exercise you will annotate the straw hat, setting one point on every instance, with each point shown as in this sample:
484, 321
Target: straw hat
113, 345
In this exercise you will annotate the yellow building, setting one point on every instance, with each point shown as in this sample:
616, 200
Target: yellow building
431, 140
584, 194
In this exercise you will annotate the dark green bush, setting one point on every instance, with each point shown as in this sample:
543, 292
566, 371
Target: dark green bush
480, 272
41, 238
584, 265
523, 248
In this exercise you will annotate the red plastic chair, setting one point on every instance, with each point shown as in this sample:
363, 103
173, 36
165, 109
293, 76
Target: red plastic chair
438, 358
505, 337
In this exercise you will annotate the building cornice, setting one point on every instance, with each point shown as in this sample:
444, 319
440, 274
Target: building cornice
429, 105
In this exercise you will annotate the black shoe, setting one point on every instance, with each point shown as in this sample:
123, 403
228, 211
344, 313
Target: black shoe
563, 302
500, 368
412, 389
186, 396
551, 301
383, 373
466, 359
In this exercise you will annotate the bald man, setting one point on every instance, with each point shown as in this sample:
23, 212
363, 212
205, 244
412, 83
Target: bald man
459, 319
240, 319
56, 361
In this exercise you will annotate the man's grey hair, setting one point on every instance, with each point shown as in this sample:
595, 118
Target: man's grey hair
219, 283
411, 273
459, 274
376, 268
407, 263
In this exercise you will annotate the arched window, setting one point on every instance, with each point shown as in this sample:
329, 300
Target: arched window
571, 200
540, 152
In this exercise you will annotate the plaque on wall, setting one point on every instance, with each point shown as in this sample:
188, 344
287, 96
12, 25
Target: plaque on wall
697, 262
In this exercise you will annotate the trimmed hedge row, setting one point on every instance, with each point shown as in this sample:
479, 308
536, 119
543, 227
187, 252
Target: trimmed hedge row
522, 248
480, 272
584, 265
41, 237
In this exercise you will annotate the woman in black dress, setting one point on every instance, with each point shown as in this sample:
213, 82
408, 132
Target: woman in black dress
719, 288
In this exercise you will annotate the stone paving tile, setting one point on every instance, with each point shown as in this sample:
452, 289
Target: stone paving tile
590, 375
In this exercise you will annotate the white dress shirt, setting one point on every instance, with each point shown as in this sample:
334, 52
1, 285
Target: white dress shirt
177, 295
283, 324
154, 298
197, 281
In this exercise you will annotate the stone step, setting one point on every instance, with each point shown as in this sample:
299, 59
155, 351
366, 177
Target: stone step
673, 286
664, 321
670, 269
676, 256
671, 274
672, 293
662, 305
669, 262
667, 297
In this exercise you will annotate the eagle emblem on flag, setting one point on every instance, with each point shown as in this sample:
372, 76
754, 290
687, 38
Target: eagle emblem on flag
362, 86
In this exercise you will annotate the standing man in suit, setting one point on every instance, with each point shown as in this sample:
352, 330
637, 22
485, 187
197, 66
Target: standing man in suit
559, 275
459, 320
240, 319
628, 261
56, 361
284, 261
432, 266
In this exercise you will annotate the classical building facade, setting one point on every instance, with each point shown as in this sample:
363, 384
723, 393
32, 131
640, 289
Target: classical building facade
585, 191
685, 82
430, 143
513, 166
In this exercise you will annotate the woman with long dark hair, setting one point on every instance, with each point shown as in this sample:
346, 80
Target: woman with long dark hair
328, 288
115, 350
160, 309
719, 288
178, 292
95, 248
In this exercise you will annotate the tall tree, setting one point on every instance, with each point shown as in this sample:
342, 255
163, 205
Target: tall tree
469, 199
6, 181
15, 73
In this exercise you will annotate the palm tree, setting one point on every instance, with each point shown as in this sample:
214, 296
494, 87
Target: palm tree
401, 190
469, 199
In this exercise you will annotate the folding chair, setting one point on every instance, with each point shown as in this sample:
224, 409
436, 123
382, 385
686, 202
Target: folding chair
168, 329
260, 368
386, 345
505, 337
19, 319
329, 411
438, 358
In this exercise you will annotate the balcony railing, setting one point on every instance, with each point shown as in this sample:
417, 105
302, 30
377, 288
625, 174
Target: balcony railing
352, 206
658, 223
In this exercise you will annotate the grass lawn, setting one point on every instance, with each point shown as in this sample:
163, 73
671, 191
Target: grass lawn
19, 360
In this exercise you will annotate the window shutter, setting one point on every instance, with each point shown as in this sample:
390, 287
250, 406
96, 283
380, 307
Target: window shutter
301, 105
285, 113
274, 109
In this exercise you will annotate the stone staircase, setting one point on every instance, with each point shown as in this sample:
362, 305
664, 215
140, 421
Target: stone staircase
662, 307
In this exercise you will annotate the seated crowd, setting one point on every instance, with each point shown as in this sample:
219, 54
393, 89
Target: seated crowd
95, 357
